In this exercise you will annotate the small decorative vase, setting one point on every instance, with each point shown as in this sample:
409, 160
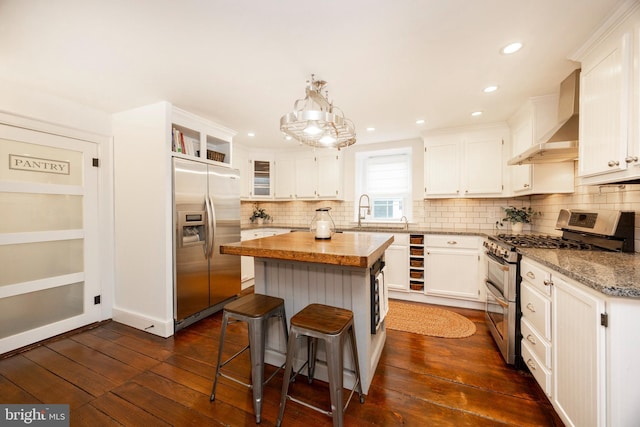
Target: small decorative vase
260, 221
516, 227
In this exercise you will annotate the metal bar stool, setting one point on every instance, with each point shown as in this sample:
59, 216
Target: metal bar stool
332, 325
255, 310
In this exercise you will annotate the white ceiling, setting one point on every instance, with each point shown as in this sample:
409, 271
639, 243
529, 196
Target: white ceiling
243, 63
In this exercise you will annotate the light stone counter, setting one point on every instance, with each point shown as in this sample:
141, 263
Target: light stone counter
611, 273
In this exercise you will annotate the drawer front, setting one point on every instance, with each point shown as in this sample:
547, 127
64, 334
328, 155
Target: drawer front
400, 239
540, 347
536, 309
451, 241
536, 276
537, 369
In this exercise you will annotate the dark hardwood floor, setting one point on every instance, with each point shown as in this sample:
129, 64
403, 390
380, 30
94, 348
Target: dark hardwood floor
117, 375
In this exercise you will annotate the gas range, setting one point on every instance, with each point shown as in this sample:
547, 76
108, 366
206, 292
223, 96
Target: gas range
581, 230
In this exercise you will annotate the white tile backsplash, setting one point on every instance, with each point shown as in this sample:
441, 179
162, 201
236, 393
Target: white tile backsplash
462, 214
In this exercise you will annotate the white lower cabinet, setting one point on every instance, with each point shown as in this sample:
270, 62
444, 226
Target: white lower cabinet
246, 262
451, 266
578, 355
397, 260
535, 326
587, 364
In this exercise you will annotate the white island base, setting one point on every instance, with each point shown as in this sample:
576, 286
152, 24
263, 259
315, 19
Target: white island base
303, 283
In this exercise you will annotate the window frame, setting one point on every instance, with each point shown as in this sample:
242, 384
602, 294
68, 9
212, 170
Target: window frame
364, 159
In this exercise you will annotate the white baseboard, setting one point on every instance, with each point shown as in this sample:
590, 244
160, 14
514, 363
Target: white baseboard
144, 323
430, 299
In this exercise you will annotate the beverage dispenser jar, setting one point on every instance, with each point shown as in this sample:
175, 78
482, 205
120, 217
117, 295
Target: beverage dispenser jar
322, 224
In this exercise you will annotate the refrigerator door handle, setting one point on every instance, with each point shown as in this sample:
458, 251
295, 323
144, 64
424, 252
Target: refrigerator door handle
209, 237
212, 225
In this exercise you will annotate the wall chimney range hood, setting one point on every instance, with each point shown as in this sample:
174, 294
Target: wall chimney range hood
560, 144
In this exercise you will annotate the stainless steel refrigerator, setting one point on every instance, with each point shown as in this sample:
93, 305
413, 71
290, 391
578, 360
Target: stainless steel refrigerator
206, 215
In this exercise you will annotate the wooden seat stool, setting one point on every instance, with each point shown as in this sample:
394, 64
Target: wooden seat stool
333, 325
255, 310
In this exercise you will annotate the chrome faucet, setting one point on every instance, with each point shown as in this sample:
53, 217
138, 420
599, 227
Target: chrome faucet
406, 222
361, 206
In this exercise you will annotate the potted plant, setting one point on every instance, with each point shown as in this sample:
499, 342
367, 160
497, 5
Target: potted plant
518, 217
259, 215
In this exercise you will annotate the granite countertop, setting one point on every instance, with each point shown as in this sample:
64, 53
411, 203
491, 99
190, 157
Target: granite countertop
343, 249
611, 273
386, 229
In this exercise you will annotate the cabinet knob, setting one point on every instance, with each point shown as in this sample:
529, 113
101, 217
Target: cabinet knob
526, 185
531, 308
631, 159
452, 242
548, 282
613, 163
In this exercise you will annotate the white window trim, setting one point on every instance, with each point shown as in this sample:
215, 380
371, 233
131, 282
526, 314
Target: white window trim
360, 159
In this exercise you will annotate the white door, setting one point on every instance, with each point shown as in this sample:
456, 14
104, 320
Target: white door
48, 236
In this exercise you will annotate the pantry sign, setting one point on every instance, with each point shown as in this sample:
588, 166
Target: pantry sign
34, 164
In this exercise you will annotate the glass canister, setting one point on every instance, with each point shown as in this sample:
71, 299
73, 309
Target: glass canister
322, 224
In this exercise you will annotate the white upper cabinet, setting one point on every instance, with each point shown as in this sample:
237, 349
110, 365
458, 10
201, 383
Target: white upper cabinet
528, 125
291, 174
256, 173
442, 166
465, 163
285, 176
194, 137
311, 174
306, 175
609, 100
329, 166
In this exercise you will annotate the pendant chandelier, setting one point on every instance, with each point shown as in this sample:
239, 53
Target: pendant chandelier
316, 122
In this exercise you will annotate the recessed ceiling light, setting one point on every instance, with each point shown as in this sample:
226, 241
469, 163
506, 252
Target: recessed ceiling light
511, 48
370, 129
288, 137
476, 113
251, 134
419, 121
490, 89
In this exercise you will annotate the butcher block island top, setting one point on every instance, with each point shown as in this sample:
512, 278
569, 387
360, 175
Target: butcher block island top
343, 249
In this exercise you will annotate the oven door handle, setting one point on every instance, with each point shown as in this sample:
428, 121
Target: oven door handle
497, 294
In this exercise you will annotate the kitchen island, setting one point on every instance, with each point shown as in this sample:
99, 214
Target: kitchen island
303, 270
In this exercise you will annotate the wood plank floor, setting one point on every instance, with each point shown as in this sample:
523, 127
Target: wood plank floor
117, 375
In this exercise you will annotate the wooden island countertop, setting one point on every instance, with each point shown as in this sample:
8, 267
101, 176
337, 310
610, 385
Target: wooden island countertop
344, 249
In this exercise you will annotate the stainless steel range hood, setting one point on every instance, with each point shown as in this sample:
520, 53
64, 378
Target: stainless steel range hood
560, 144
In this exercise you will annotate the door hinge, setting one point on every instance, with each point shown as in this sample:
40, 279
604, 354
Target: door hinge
604, 319
96, 300
96, 162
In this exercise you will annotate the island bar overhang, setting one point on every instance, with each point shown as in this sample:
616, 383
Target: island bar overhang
302, 270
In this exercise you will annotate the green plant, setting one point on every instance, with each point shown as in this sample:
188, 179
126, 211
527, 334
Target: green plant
259, 212
524, 215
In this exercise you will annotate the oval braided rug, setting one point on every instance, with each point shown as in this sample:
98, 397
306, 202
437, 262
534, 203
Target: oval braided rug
420, 319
